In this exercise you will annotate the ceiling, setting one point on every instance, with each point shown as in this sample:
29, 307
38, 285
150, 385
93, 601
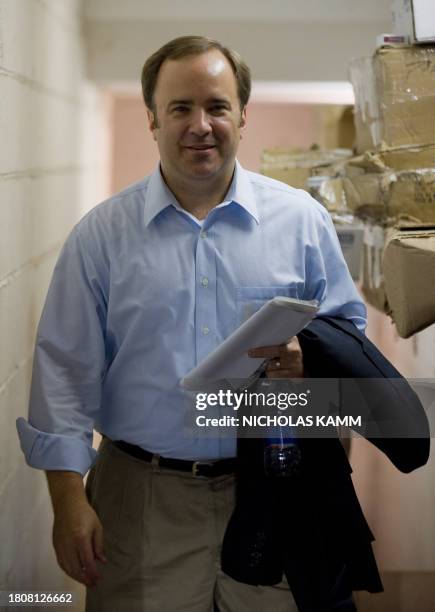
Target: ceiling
283, 41
301, 11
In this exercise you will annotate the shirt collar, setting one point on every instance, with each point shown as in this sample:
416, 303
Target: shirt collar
159, 196
242, 193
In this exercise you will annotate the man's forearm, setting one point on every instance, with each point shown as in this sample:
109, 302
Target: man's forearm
64, 486
77, 531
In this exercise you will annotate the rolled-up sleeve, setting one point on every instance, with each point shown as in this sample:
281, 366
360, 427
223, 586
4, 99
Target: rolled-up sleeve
329, 280
69, 363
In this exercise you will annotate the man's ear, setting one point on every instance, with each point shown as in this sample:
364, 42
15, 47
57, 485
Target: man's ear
152, 123
242, 123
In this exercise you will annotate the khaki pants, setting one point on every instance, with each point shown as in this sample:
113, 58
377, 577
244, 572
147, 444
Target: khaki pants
163, 531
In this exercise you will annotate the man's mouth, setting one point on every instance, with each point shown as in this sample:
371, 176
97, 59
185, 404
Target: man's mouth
202, 147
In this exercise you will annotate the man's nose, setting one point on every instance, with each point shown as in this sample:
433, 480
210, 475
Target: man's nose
200, 124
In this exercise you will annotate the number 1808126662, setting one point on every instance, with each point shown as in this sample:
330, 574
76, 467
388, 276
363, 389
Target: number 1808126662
35, 598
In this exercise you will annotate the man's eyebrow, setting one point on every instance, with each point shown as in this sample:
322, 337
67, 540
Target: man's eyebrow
220, 101
186, 102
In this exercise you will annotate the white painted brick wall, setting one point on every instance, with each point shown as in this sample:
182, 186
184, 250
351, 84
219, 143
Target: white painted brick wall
39, 129
38, 213
42, 46
21, 300
50, 167
14, 394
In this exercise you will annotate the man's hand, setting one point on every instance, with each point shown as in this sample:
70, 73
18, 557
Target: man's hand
77, 531
285, 360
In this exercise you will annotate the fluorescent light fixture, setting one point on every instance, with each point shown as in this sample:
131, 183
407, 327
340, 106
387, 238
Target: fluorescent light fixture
302, 92
274, 92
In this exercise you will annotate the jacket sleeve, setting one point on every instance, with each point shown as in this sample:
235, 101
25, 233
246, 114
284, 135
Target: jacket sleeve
393, 418
69, 364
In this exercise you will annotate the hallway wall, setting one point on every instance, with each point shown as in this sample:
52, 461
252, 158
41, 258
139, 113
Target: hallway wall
399, 507
51, 121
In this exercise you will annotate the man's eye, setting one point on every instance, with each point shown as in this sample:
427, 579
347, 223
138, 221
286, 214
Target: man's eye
218, 108
180, 109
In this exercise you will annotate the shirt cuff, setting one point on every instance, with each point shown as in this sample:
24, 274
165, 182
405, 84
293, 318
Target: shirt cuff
49, 451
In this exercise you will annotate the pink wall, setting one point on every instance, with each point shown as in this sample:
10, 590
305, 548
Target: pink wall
275, 125
134, 151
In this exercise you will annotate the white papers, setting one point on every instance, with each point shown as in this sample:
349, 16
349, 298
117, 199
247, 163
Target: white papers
274, 323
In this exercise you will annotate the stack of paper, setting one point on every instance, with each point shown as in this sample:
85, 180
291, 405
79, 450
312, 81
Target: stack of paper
275, 323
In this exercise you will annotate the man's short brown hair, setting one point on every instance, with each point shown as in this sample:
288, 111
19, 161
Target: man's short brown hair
193, 45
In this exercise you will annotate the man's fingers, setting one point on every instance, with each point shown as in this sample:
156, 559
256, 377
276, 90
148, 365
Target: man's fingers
267, 352
87, 559
77, 534
69, 561
284, 360
277, 350
97, 542
81, 573
280, 374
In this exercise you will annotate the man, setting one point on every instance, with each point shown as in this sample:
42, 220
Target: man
147, 284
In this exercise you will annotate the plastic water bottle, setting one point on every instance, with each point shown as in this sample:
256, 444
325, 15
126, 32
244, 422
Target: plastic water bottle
282, 456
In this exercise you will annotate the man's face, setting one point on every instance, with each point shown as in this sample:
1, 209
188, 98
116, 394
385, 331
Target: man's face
198, 118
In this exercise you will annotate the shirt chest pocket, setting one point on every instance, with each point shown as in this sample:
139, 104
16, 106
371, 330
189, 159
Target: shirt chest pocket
251, 299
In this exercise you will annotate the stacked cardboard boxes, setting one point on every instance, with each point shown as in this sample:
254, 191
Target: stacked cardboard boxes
385, 185
392, 180
394, 97
295, 166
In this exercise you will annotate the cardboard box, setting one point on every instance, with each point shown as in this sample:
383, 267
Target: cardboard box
394, 97
409, 271
294, 166
332, 195
415, 18
296, 177
334, 126
408, 157
390, 183
389, 195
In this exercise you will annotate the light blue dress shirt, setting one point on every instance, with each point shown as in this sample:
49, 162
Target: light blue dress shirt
142, 292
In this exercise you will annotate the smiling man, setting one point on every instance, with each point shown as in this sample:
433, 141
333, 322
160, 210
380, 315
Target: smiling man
148, 284
196, 117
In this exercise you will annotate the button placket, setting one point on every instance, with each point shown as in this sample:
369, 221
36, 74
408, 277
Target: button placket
205, 295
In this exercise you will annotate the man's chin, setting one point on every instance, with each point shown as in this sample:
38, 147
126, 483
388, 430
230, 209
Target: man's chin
203, 171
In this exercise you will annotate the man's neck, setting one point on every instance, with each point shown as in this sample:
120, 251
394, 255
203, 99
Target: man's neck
200, 198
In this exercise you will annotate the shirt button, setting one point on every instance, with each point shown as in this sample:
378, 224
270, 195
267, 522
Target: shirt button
204, 282
205, 330
203, 234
